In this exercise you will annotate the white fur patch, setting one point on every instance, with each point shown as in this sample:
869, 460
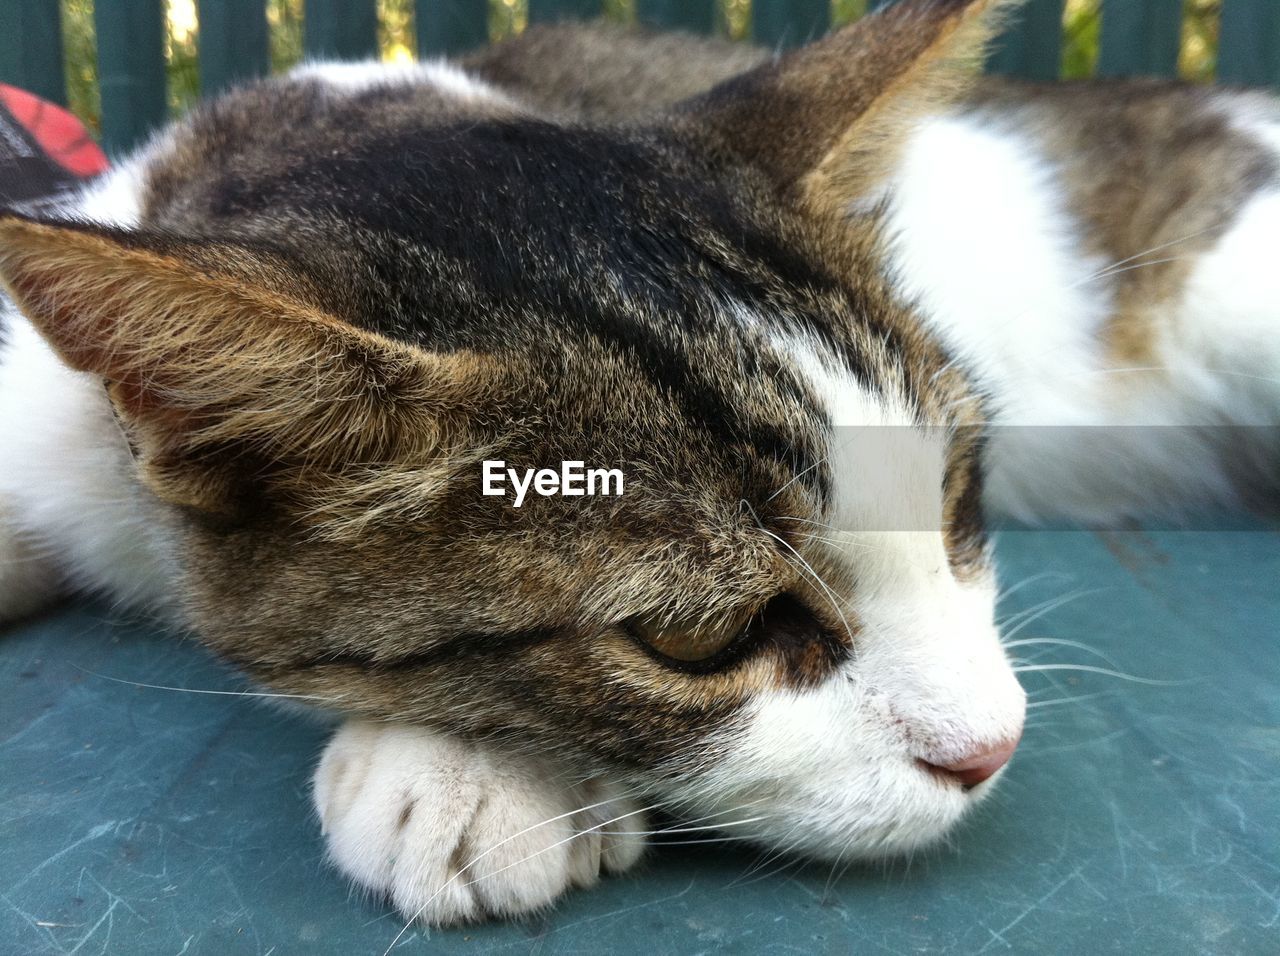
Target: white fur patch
66, 484
360, 76
983, 241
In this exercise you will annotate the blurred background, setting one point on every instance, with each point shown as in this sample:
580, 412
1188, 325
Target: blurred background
397, 39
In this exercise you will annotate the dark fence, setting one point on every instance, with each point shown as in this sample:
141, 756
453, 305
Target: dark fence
1139, 37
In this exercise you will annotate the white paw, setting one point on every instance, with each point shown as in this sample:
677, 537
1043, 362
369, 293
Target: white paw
450, 832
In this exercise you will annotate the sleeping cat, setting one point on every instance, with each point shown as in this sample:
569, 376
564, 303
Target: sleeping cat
250, 381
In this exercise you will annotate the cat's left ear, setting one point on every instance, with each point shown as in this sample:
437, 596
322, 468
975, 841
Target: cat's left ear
220, 376
825, 122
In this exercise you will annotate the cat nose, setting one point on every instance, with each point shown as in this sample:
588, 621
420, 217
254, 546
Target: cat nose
978, 766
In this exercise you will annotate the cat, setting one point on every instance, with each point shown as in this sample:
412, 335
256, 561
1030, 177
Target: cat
250, 380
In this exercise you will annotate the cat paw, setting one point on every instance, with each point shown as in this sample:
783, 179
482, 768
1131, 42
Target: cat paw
451, 833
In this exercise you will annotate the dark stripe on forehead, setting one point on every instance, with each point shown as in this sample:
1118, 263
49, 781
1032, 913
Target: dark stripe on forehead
518, 213
707, 404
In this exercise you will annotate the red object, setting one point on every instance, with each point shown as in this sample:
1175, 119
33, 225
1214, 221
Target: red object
58, 132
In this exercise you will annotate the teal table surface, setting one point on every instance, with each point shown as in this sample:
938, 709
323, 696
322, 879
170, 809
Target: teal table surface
1137, 817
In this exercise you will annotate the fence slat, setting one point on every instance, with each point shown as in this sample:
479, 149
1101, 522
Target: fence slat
131, 71
450, 26
233, 43
786, 23
1140, 37
553, 11
1250, 44
31, 47
1032, 47
696, 16
340, 29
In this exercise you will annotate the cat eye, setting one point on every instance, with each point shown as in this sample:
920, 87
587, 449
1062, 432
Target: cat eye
785, 620
690, 643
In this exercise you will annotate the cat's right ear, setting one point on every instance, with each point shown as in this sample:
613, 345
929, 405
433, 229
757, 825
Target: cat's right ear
221, 380
825, 122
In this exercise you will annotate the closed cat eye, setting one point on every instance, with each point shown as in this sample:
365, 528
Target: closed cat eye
690, 643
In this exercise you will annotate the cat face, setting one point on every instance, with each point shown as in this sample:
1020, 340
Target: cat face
313, 349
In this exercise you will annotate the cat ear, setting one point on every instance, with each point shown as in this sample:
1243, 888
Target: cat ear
218, 379
824, 122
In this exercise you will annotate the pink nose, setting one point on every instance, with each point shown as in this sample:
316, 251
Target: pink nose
981, 765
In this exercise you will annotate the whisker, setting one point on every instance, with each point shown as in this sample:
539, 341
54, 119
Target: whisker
1048, 609
1031, 579
1058, 642
721, 839
710, 826
1169, 368
1064, 700
1115, 271
797, 476
831, 595
1107, 672
196, 690
1160, 248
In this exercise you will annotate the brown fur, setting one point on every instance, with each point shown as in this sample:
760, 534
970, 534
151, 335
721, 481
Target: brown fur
605, 71
322, 437
828, 117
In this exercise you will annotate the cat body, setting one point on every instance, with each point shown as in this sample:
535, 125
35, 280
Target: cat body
252, 382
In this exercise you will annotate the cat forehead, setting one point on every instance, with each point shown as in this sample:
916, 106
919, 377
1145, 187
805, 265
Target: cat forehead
495, 231
427, 137
470, 179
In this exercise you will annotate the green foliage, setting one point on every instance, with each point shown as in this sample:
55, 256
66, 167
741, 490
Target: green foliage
80, 54
284, 20
1081, 33
183, 67
1199, 58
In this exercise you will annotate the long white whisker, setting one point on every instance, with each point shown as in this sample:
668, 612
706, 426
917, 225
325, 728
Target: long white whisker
1057, 642
1166, 245
1057, 701
797, 476
1106, 672
195, 690
546, 849
1115, 271
1168, 368
1048, 609
831, 595
1031, 579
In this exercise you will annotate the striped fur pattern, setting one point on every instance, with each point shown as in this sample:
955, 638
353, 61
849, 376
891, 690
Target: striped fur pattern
250, 379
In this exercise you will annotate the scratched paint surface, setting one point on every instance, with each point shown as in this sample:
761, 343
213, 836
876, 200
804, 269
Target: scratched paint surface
1138, 818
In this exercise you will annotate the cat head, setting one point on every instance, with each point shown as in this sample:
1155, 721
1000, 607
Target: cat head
314, 347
